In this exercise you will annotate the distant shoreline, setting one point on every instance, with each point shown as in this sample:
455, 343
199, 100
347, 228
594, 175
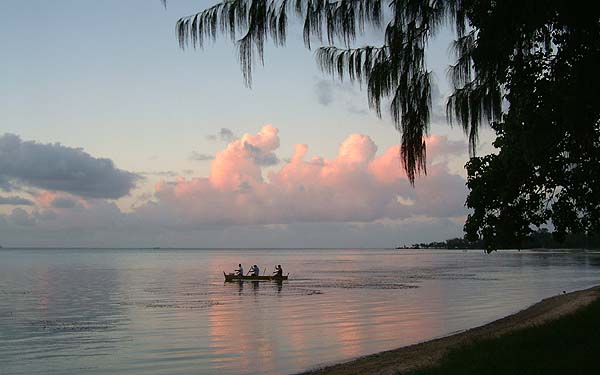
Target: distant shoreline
565, 250
431, 352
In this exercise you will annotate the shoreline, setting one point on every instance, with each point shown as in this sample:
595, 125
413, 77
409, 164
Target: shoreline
430, 352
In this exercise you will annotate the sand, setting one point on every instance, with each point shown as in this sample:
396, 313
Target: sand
431, 352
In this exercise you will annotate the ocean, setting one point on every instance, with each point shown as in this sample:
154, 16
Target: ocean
168, 311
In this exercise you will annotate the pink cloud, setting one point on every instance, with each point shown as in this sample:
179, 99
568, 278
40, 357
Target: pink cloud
440, 149
388, 167
45, 198
60, 200
357, 185
240, 163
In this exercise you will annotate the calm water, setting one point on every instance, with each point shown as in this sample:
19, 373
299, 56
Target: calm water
169, 312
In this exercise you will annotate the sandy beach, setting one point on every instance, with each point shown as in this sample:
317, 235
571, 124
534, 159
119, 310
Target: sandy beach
431, 352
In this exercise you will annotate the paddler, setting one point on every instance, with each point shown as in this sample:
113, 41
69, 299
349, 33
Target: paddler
254, 271
240, 270
278, 271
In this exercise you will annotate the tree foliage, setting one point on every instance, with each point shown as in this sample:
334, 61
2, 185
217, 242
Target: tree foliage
396, 70
547, 169
528, 68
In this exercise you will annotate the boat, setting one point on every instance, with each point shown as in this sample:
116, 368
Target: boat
234, 277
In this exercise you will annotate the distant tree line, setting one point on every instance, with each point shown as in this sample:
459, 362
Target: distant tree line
541, 239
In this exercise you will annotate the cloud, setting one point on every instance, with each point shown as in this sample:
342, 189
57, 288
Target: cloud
359, 197
324, 90
438, 105
260, 157
160, 173
356, 186
440, 149
224, 135
15, 201
241, 159
21, 217
200, 157
48, 199
63, 202
328, 92
59, 168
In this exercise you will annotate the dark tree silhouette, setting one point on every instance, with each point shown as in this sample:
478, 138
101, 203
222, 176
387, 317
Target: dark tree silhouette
537, 58
547, 169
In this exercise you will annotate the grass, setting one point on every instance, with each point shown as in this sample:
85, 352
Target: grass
569, 345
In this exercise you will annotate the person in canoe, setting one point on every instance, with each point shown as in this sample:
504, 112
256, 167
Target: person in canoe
278, 271
254, 271
239, 271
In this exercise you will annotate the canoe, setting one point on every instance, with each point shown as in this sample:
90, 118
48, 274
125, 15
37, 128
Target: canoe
234, 277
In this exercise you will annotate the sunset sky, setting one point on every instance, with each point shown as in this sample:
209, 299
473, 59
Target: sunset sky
113, 136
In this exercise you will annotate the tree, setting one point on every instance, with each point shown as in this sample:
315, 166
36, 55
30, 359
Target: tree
525, 67
548, 166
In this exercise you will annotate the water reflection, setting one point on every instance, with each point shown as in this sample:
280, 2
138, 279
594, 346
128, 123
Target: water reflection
155, 312
66, 312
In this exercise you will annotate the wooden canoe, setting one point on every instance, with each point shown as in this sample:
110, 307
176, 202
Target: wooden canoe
234, 277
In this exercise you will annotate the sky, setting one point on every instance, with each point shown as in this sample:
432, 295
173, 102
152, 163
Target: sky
112, 136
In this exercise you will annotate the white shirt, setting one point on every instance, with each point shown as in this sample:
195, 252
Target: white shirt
255, 270
241, 270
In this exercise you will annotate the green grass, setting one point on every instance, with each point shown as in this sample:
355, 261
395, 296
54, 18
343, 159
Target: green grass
570, 345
